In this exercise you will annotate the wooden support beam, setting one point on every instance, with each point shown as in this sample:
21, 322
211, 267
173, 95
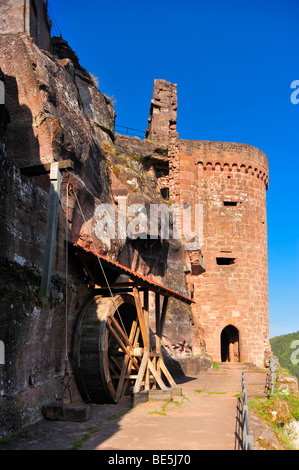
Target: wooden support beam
158, 334
163, 315
43, 169
55, 170
140, 317
146, 322
55, 178
167, 374
156, 375
120, 285
146, 313
142, 370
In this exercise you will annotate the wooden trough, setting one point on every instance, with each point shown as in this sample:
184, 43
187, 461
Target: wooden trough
113, 354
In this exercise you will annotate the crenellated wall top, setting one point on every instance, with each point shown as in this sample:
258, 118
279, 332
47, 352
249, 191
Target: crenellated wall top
227, 156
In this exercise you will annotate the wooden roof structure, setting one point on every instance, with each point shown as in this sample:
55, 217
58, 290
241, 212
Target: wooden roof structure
136, 279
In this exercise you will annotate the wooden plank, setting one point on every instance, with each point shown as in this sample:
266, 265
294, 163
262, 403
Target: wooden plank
118, 285
43, 169
163, 315
141, 372
147, 380
133, 338
146, 324
158, 334
167, 374
156, 376
120, 386
140, 316
146, 314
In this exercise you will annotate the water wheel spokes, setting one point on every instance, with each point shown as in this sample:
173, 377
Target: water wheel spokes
108, 348
128, 352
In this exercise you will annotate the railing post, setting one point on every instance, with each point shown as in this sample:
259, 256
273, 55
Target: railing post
272, 367
247, 438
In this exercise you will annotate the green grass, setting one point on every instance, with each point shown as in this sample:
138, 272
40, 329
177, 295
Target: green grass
210, 393
162, 410
262, 407
87, 435
110, 418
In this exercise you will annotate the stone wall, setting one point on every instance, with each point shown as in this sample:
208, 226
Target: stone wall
223, 185
230, 181
27, 16
48, 121
57, 113
163, 112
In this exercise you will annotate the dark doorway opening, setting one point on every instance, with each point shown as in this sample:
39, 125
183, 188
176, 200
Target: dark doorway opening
230, 350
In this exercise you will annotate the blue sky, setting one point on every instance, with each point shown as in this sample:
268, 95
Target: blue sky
233, 62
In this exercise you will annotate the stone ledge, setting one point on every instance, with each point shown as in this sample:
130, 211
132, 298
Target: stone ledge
68, 412
159, 395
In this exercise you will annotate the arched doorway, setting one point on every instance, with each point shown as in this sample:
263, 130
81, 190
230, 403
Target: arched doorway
230, 351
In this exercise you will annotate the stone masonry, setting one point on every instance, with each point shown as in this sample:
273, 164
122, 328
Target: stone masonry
229, 181
53, 112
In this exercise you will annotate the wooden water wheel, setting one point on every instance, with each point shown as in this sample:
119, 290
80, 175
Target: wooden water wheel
108, 348
112, 349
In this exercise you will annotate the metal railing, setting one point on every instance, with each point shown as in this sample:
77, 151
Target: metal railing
247, 438
271, 376
129, 131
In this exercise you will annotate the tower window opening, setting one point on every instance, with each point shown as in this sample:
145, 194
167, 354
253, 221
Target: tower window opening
230, 203
221, 261
165, 193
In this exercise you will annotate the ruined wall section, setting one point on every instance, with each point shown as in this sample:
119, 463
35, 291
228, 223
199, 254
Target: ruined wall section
162, 131
163, 112
57, 114
27, 16
49, 121
182, 192
162, 260
231, 181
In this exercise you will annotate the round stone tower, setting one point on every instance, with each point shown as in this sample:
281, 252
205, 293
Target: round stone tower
232, 294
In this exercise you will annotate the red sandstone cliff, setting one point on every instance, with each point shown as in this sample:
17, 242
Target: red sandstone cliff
57, 113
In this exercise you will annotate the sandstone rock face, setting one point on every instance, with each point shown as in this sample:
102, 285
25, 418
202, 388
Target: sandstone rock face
264, 437
56, 113
26, 16
286, 384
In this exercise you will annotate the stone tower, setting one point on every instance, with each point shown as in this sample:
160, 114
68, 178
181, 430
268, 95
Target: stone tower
230, 181
163, 112
27, 16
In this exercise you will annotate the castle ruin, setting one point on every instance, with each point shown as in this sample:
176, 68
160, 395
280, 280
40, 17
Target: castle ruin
230, 181
166, 306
